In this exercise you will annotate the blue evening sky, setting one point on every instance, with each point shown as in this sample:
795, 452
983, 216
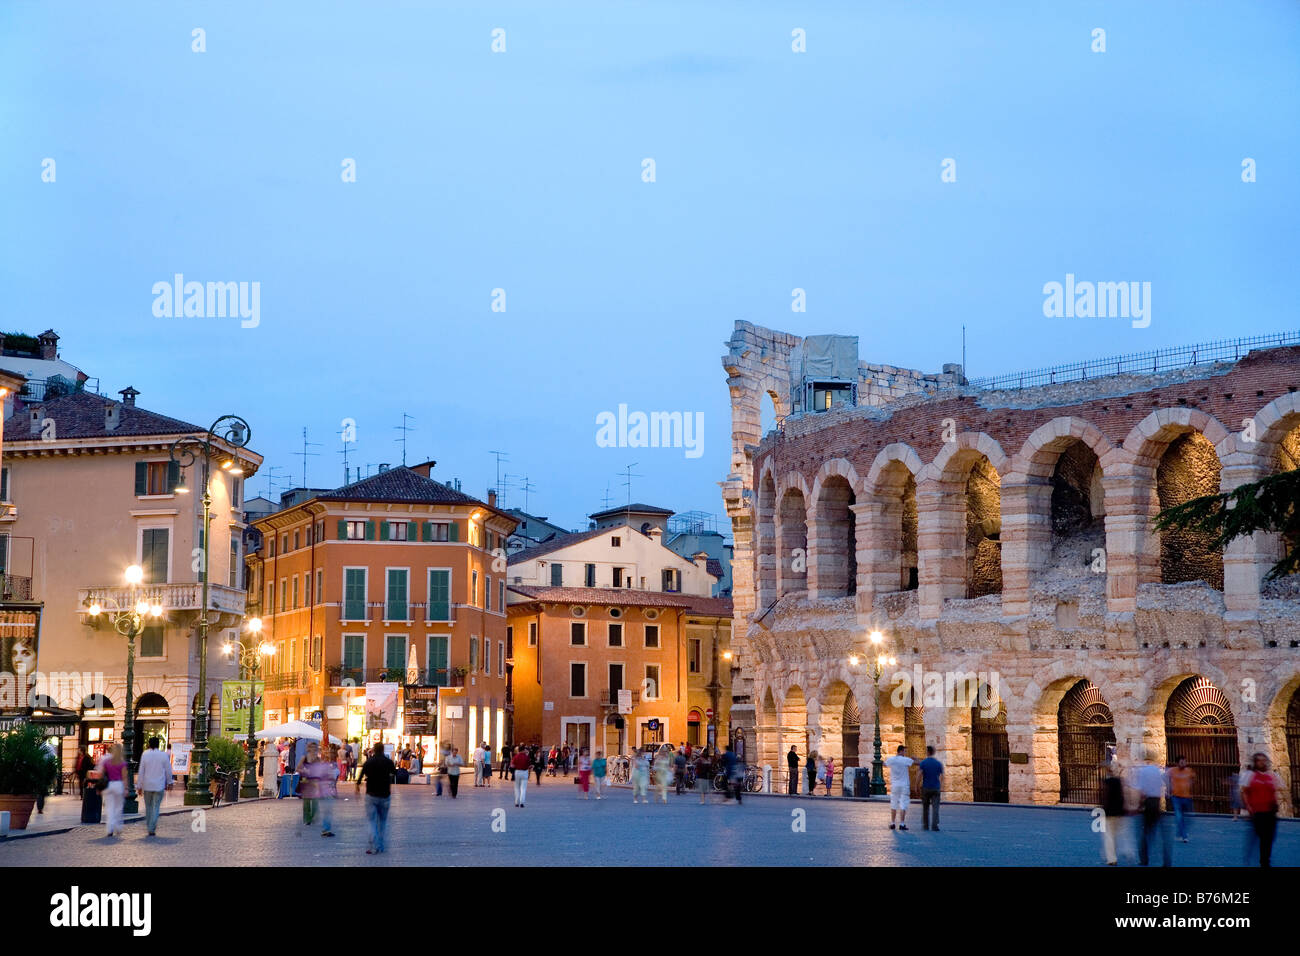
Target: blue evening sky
522, 171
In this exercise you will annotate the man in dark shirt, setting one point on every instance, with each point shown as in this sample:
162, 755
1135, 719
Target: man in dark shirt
792, 761
931, 772
378, 772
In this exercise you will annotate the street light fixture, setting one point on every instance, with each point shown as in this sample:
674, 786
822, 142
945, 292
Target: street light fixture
129, 619
250, 662
878, 665
234, 432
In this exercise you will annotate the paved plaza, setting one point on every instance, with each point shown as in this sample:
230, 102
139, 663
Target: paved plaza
558, 828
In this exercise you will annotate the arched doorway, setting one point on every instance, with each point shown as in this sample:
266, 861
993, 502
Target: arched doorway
837, 544
151, 713
694, 721
851, 729
1085, 732
1199, 726
1293, 749
990, 756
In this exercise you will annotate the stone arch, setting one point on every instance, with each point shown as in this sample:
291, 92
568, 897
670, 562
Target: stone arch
1074, 738
1283, 740
768, 729
831, 727
791, 540
959, 521
1276, 449
765, 539
832, 537
1032, 493
1133, 547
990, 747
1199, 724
887, 522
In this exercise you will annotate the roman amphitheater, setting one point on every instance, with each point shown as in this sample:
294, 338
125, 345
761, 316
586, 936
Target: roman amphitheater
1002, 531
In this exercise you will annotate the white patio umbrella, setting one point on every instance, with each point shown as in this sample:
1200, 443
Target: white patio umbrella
294, 728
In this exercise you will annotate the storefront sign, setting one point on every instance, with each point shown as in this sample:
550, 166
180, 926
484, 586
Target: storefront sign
234, 707
420, 708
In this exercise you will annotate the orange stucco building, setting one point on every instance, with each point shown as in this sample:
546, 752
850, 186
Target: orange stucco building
395, 578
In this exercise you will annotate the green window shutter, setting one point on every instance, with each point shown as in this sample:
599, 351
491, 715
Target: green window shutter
453, 532
141, 477
413, 531
370, 531
383, 531
439, 595
439, 674
343, 529
426, 533
173, 475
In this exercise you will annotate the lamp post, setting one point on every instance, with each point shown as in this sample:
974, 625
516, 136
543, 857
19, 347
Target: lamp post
234, 432
878, 665
250, 662
129, 620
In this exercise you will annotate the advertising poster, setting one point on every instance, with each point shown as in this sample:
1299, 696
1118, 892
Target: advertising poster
235, 701
381, 705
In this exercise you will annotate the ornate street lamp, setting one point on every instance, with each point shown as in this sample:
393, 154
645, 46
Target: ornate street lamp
250, 663
878, 665
129, 620
234, 432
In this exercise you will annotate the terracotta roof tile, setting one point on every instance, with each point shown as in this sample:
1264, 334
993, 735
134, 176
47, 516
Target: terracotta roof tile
81, 415
620, 597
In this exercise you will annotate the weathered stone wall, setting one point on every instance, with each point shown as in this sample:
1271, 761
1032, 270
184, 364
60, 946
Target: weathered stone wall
1084, 592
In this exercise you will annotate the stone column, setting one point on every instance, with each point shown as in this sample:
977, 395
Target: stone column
879, 531
1026, 538
940, 544
1245, 560
1132, 553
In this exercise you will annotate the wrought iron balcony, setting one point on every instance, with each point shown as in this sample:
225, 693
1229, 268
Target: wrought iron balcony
425, 677
609, 698
293, 680
15, 588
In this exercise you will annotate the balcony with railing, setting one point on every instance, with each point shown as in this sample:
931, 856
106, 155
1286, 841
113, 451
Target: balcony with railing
373, 612
609, 698
289, 681
425, 677
174, 598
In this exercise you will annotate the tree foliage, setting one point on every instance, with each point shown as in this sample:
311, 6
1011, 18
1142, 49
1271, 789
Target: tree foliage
1269, 504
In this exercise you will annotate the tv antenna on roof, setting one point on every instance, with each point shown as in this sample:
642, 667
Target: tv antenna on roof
274, 476
525, 486
403, 429
628, 481
305, 454
498, 489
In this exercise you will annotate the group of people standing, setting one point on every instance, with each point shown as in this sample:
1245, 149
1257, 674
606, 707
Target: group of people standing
1254, 797
815, 771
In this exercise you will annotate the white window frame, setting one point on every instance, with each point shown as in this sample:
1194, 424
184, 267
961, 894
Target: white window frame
387, 619
169, 527
406, 651
586, 638
451, 594
365, 650
586, 681
343, 593
645, 638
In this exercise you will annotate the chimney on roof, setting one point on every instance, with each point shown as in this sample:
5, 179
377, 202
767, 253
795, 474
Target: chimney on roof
49, 343
492, 497
37, 412
424, 468
383, 467
701, 559
112, 416
128, 395
656, 535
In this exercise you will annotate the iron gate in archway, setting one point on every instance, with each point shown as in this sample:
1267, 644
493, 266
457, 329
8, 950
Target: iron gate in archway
1293, 748
990, 757
1199, 726
1085, 731
851, 730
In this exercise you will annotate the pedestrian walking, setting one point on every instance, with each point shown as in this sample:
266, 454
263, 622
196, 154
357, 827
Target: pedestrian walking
477, 758
900, 788
640, 776
704, 775
152, 780
112, 767
599, 767
1113, 809
931, 785
507, 767
520, 766
539, 762
487, 765
679, 768
1152, 783
341, 761
378, 772
454, 762
1259, 787
584, 774
792, 761
734, 768
308, 788
1182, 778
663, 768
319, 779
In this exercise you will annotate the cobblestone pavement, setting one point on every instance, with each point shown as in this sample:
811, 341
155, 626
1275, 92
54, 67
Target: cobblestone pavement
558, 828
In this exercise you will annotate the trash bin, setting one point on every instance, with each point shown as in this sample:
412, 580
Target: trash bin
92, 804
